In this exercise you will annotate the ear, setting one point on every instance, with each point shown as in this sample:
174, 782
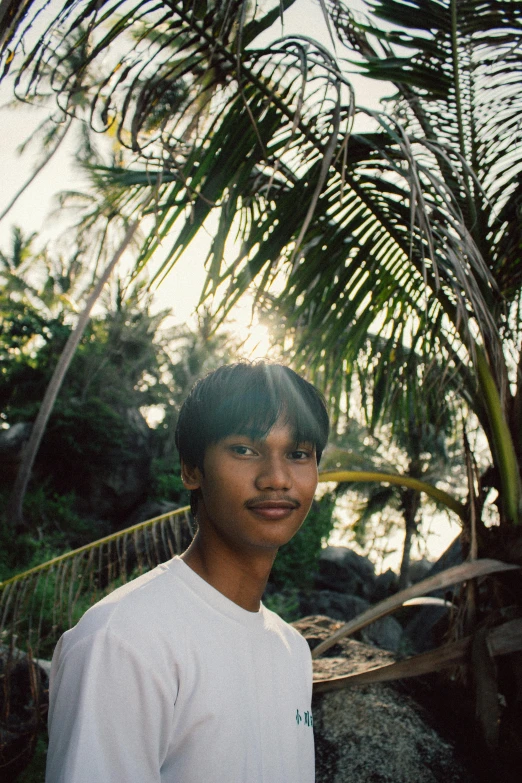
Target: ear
190, 475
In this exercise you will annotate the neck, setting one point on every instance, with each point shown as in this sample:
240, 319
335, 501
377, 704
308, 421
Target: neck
239, 576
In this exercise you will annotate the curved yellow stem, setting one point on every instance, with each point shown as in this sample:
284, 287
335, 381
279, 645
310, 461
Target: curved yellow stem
502, 440
361, 476
96, 544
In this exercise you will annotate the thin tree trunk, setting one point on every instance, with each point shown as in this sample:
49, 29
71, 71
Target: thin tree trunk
410, 506
35, 173
15, 507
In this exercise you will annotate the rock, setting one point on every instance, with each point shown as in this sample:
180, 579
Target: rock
385, 633
419, 570
372, 733
428, 624
332, 604
344, 571
116, 493
386, 584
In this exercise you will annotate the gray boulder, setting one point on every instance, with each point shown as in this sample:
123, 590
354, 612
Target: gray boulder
332, 604
115, 493
344, 571
428, 624
419, 570
386, 584
372, 733
385, 633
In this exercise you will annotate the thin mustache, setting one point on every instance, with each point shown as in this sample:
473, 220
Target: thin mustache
272, 499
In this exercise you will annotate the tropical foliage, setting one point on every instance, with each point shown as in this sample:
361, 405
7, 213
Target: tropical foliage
98, 459
44, 601
383, 252
455, 70
418, 218
418, 453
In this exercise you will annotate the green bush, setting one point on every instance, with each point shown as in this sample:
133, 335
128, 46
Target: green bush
296, 563
284, 603
166, 483
35, 771
53, 525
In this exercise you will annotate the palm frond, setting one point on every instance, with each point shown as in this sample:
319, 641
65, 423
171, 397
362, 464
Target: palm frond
364, 476
255, 136
37, 606
451, 576
501, 640
456, 68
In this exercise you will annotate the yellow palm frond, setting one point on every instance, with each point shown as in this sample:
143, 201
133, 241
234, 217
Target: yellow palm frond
38, 605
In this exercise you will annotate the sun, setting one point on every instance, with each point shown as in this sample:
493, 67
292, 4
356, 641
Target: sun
257, 343
254, 337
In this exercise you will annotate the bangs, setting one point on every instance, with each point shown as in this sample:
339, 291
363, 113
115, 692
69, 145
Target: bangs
271, 395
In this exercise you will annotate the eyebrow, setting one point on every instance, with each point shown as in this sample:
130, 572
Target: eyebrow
259, 439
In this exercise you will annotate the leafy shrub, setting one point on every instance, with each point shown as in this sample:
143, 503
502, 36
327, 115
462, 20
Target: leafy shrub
297, 561
166, 483
35, 771
284, 603
54, 527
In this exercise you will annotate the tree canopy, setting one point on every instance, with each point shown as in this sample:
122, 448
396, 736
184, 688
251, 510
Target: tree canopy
389, 256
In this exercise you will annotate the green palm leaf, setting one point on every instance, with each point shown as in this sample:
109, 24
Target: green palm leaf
408, 233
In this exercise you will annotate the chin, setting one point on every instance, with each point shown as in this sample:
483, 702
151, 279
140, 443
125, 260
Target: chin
272, 542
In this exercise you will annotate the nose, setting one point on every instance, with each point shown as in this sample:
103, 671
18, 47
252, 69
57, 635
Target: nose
274, 474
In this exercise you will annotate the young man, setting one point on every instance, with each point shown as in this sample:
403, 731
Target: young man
183, 676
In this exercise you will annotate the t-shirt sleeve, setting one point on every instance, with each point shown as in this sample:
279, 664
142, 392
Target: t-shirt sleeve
109, 714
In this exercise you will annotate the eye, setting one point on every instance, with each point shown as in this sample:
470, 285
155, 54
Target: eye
242, 451
301, 454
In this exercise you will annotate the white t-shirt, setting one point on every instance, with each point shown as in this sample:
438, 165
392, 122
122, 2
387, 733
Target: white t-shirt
168, 681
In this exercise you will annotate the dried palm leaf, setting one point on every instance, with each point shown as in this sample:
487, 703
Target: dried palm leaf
504, 639
451, 576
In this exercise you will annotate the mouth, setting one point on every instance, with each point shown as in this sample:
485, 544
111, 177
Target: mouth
273, 509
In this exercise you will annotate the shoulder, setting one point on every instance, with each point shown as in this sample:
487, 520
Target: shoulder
135, 615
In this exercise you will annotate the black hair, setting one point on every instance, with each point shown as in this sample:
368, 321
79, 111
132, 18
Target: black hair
248, 399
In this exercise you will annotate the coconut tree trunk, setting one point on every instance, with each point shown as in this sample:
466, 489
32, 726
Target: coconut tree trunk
410, 506
37, 170
15, 507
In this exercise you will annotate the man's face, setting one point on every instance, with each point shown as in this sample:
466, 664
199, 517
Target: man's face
254, 493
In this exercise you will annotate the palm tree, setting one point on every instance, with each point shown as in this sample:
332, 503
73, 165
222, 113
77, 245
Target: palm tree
454, 292
180, 97
417, 217
409, 233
